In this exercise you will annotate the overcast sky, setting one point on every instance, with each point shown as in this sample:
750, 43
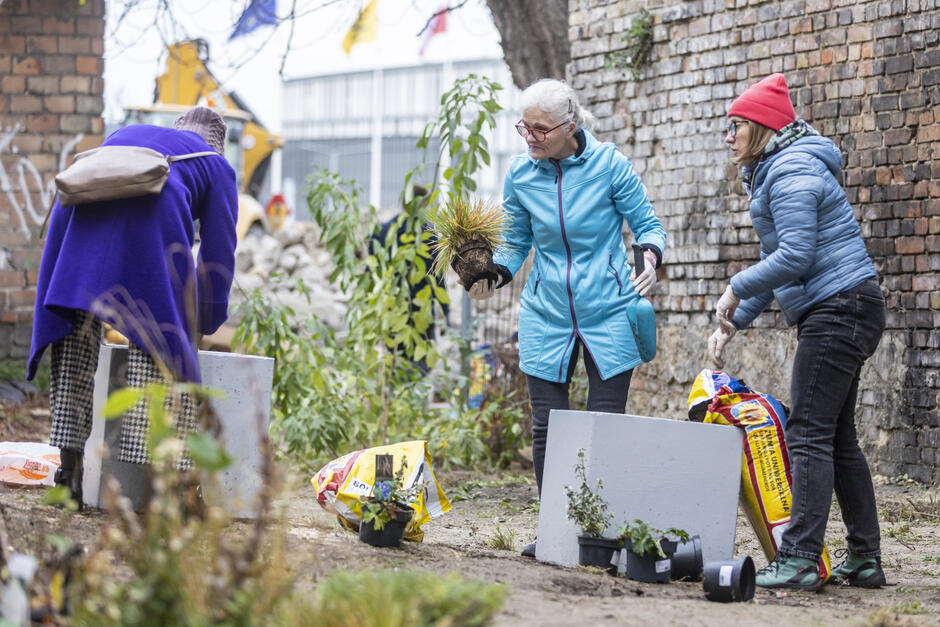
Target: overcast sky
135, 50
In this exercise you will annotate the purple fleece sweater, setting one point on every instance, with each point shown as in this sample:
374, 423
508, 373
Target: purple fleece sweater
130, 263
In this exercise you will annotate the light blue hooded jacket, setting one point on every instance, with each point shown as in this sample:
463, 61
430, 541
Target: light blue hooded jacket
572, 212
811, 244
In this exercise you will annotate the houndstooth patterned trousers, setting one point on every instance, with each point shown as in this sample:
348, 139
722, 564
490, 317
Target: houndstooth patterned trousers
74, 361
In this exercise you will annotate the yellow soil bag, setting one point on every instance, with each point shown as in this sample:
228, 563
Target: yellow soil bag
718, 398
341, 482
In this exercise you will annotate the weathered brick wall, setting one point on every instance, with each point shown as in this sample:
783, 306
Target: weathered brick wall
50, 107
866, 74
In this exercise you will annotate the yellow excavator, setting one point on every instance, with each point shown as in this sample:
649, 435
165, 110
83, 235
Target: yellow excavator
187, 82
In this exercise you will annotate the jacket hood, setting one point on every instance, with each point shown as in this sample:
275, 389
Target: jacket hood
820, 147
590, 145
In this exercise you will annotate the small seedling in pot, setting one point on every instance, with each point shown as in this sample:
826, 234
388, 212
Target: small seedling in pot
646, 541
388, 499
586, 507
649, 551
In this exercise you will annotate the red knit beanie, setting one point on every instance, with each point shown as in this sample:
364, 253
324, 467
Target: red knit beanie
766, 102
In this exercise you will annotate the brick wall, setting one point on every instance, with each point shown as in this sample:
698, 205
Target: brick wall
867, 75
50, 107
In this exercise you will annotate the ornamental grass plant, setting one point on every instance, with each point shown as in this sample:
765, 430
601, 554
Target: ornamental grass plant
463, 221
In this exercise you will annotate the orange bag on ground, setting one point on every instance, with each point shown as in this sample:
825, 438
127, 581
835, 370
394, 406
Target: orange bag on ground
28, 463
718, 398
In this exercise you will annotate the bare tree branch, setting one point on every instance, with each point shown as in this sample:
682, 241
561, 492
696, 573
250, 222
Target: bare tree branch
290, 38
440, 12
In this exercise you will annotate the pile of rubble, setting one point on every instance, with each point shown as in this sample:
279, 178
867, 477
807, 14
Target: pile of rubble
294, 251
291, 252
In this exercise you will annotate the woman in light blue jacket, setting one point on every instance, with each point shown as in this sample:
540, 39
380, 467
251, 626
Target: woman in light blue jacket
814, 261
568, 198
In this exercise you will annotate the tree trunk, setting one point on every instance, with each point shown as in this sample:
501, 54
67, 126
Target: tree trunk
534, 36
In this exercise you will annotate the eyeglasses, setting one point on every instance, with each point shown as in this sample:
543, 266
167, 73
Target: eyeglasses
537, 134
732, 127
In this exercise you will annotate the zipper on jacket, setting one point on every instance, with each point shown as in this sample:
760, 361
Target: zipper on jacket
564, 237
610, 264
538, 280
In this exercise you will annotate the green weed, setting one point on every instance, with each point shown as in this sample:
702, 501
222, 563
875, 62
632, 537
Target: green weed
909, 607
395, 598
502, 541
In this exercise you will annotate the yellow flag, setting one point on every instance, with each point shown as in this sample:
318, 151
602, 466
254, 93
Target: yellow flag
364, 28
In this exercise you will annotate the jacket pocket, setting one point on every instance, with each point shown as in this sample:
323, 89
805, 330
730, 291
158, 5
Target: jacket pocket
535, 277
613, 270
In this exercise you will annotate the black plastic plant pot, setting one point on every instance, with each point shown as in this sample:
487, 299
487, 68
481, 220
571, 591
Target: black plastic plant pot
687, 561
650, 568
729, 580
598, 552
390, 534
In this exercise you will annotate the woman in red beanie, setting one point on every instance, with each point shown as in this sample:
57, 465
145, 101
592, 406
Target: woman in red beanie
813, 260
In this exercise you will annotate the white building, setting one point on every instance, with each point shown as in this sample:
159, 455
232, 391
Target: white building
364, 125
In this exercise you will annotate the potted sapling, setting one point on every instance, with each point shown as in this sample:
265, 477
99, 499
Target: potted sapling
650, 550
468, 231
588, 509
387, 510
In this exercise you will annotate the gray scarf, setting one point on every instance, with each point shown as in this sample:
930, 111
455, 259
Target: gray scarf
793, 131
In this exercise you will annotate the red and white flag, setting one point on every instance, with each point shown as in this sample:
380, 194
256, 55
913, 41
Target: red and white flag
438, 24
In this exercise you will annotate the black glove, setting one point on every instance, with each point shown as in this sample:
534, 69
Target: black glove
505, 276
490, 271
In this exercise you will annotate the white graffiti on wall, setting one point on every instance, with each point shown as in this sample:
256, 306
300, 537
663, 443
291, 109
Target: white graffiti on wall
23, 180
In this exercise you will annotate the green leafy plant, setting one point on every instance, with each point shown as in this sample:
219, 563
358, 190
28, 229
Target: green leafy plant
461, 221
646, 541
639, 43
467, 109
586, 507
330, 396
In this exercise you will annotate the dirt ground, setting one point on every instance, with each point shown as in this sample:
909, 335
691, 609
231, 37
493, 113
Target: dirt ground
541, 594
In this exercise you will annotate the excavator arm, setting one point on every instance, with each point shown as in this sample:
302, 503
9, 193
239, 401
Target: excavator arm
188, 81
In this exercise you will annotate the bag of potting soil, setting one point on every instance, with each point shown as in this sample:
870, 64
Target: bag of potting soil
341, 482
28, 463
719, 398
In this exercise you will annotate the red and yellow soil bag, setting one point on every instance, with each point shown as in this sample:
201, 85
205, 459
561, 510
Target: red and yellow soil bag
765, 478
341, 482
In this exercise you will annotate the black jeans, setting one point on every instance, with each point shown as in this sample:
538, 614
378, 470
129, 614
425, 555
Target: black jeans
544, 396
834, 339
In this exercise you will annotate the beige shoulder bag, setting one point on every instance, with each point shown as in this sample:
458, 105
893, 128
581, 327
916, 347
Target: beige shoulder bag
113, 172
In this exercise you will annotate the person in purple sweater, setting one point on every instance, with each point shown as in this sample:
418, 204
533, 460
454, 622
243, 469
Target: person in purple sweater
129, 263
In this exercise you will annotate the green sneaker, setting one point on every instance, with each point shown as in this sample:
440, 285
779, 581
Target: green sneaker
862, 572
787, 571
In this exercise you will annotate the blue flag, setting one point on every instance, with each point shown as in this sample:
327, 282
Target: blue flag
258, 13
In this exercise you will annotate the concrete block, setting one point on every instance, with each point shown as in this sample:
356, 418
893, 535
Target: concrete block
244, 412
668, 473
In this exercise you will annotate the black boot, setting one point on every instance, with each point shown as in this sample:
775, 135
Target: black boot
529, 550
69, 473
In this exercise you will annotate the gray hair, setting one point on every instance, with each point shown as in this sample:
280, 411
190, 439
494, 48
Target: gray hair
558, 100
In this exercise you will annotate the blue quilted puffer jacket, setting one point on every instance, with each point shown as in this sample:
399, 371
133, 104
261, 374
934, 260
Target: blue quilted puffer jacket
811, 245
572, 212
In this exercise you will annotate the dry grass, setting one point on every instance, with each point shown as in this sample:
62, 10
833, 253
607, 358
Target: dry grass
462, 221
